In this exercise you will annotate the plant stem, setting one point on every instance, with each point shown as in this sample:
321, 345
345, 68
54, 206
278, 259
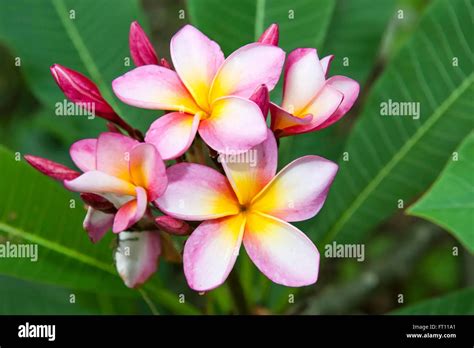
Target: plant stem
148, 301
237, 292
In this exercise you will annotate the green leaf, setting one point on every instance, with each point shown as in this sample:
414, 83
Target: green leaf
88, 36
37, 211
456, 303
303, 23
392, 159
450, 202
355, 33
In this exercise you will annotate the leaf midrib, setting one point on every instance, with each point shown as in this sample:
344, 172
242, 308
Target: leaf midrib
84, 53
405, 149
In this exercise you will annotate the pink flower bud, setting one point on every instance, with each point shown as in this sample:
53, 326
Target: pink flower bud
136, 256
270, 36
98, 203
52, 169
165, 64
80, 90
261, 97
172, 225
141, 50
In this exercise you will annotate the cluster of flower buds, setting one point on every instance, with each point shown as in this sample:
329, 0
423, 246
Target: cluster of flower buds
226, 183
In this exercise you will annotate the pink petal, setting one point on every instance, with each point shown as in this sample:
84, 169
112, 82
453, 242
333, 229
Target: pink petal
83, 154
196, 59
173, 133
321, 108
113, 154
141, 49
250, 171
148, 170
282, 119
154, 87
211, 250
299, 190
246, 69
326, 64
304, 77
236, 125
100, 182
130, 213
281, 251
173, 226
270, 36
137, 256
97, 224
81, 90
196, 192
261, 97
52, 169
98, 203
350, 89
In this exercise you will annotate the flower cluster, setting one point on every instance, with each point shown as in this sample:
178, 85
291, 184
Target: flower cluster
207, 168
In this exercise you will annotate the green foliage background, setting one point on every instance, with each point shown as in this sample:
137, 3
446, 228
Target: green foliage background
403, 50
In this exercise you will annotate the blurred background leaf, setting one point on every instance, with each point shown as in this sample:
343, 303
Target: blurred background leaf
459, 302
396, 158
449, 203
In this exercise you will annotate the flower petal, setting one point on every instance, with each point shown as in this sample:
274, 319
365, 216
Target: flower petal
148, 170
211, 250
141, 49
281, 251
282, 119
321, 108
326, 63
97, 224
236, 125
350, 89
154, 87
137, 256
197, 192
83, 154
247, 68
304, 77
52, 169
299, 190
173, 133
250, 171
196, 59
113, 154
131, 212
271, 35
99, 182
172, 226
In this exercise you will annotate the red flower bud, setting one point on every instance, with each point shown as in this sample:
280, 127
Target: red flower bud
270, 36
165, 64
172, 225
52, 169
141, 50
261, 97
98, 203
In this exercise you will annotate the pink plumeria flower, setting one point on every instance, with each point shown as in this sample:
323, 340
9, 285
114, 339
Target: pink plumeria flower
127, 173
251, 205
208, 93
310, 102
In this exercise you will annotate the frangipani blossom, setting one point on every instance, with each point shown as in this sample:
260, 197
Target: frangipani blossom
127, 173
252, 206
208, 94
310, 102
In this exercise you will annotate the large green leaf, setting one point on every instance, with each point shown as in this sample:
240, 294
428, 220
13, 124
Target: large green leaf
89, 36
450, 202
355, 33
456, 303
393, 158
303, 23
36, 210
